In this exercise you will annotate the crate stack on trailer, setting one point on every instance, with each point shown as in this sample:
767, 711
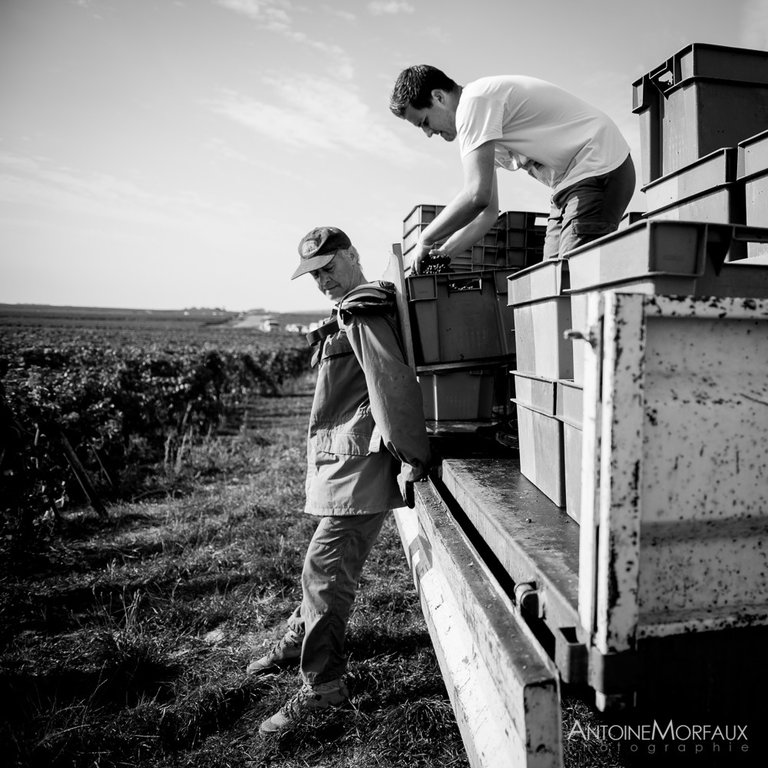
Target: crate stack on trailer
704, 177
752, 172
627, 538
701, 241
463, 329
542, 315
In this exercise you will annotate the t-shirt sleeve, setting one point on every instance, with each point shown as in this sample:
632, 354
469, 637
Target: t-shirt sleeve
479, 120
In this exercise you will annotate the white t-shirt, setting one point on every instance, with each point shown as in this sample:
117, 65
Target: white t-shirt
555, 136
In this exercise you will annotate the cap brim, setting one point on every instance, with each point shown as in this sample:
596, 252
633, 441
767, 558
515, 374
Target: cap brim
310, 265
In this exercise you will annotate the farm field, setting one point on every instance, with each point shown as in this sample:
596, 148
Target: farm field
124, 637
125, 640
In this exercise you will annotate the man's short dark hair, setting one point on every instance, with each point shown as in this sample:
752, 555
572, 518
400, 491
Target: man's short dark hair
414, 87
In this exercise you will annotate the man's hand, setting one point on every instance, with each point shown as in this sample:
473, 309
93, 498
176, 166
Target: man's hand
420, 258
433, 258
406, 490
409, 475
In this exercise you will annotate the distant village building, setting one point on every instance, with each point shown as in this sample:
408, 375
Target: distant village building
270, 323
257, 319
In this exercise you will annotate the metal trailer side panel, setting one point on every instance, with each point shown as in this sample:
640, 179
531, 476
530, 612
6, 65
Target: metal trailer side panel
677, 540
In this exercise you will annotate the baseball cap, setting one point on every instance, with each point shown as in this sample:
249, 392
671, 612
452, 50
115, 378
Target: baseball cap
318, 247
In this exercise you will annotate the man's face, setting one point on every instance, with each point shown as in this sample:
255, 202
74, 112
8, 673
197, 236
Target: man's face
338, 277
436, 119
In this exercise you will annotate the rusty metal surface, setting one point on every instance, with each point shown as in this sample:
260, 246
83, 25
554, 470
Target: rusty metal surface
678, 537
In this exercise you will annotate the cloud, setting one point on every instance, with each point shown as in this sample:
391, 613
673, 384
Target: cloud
390, 7
37, 183
315, 112
276, 16
263, 11
345, 15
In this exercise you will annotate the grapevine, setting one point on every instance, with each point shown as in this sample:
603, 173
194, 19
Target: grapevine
126, 401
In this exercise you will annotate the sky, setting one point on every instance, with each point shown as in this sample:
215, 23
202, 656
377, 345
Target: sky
163, 154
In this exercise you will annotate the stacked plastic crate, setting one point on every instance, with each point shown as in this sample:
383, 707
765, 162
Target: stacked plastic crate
752, 172
539, 299
667, 508
523, 235
702, 99
702, 112
704, 160
698, 112
463, 329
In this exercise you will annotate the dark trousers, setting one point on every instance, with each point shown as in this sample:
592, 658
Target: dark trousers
332, 567
589, 209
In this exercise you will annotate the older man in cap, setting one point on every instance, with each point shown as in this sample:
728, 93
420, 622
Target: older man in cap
367, 443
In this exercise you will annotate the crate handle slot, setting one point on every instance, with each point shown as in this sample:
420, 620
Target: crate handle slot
750, 234
465, 284
665, 76
720, 238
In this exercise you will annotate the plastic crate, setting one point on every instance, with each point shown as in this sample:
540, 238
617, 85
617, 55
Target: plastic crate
542, 281
753, 155
478, 258
523, 257
630, 218
411, 237
457, 317
723, 204
569, 403
521, 219
489, 257
663, 257
540, 435
420, 216
649, 248
542, 314
701, 99
525, 238
524, 233
459, 394
703, 175
487, 252
756, 203
427, 396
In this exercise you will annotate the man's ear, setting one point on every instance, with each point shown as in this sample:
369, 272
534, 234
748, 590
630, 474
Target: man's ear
438, 94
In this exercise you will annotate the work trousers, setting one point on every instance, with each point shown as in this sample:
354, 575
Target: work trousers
589, 209
333, 563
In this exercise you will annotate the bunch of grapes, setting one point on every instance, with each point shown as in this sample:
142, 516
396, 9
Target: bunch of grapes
436, 264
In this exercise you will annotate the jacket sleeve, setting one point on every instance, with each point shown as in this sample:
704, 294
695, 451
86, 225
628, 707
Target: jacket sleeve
394, 392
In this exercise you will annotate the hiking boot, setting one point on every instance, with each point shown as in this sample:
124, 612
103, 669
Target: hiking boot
309, 698
285, 652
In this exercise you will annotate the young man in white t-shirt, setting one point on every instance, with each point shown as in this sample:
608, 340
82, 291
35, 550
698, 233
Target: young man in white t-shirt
517, 122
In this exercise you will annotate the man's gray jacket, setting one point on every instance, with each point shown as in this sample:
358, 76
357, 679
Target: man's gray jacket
367, 421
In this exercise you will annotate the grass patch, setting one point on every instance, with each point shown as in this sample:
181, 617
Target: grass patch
124, 641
